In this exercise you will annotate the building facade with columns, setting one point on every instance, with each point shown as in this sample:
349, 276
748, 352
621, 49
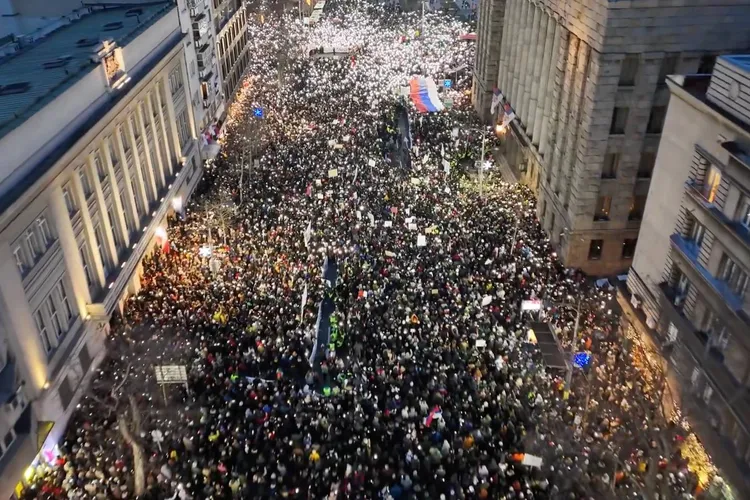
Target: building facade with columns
232, 43
587, 81
98, 143
688, 286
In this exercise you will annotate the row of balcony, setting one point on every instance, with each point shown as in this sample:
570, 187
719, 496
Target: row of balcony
708, 354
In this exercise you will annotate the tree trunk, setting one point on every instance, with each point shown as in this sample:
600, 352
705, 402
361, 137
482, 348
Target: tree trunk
139, 460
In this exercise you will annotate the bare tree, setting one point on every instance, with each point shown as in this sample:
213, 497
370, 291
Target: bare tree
219, 213
129, 423
248, 138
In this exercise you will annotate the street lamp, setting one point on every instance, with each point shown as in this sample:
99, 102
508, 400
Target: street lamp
570, 361
481, 165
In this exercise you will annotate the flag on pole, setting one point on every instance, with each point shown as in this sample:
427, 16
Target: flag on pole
435, 413
509, 115
497, 96
308, 234
304, 301
423, 92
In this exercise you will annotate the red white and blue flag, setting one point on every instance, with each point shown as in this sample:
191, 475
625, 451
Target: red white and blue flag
424, 95
434, 413
509, 115
497, 97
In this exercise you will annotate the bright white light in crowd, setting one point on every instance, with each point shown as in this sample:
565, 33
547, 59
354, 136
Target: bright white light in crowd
204, 251
161, 233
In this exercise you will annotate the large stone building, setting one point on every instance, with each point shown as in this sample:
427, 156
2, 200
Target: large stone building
205, 87
98, 146
586, 79
232, 43
689, 279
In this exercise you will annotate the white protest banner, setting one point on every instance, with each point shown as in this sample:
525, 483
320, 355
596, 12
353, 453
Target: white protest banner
415, 181
318, 182
446, 166
481, 343
388, 253
346, 138
447, 190
454, 132
412, 227
332, 142
158, 437
338, 146
531, 305
333, 173
359, 215
409, 220
426, 158
388, 223
320, 196
421, 240
486, 300
371, 163
372, 218
532, 460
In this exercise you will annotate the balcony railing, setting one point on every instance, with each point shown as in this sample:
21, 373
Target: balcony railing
695, 341
675, 297
690, 252
198, 5
734, 227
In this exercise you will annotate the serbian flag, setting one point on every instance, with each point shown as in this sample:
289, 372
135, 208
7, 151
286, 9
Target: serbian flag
435, 413
509, 115
423, 93
497, 96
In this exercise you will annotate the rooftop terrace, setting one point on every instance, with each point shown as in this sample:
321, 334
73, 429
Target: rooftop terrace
39, 72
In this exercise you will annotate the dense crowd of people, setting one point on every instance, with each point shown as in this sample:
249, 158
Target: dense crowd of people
430, 386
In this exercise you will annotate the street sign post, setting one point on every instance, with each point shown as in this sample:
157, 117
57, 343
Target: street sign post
170, 374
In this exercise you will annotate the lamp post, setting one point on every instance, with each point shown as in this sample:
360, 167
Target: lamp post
421, 27
569, 362
481, 167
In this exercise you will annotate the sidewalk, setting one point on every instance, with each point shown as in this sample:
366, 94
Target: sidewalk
506, 172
